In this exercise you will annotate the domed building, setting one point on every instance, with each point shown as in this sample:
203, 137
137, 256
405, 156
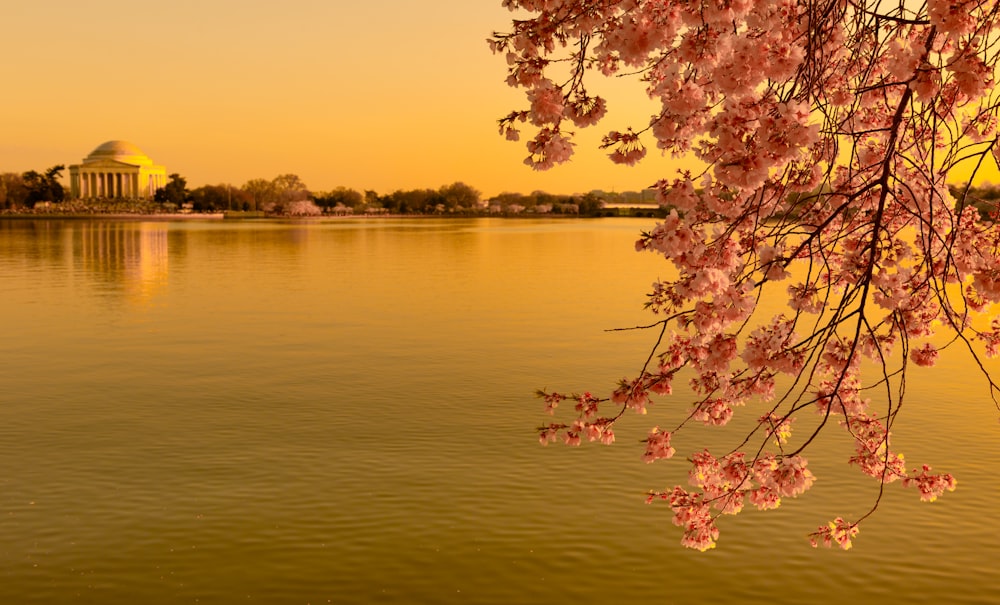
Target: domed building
116, 169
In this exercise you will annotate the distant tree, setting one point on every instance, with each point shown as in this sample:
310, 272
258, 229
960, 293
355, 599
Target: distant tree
43, 187
590, 204
211, 198
290, 188
540, 197
506, 199
262, 193
302, 208
341, 195
459, 195
237, 198
12, 190
175, 192
56, 191
411, 201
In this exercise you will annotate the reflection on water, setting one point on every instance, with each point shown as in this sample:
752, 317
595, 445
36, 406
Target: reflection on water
130, 256
127, 259
341, 412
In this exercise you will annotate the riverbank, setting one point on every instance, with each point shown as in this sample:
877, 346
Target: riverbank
147, 210
159, 216
26, 214
116, 209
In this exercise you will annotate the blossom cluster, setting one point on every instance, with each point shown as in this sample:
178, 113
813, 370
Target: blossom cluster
826, 132
837, 532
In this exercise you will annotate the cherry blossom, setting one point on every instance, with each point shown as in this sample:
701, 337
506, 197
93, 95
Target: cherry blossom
826, 132
837, 531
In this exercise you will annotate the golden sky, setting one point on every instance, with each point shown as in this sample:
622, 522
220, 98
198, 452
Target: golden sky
379, 94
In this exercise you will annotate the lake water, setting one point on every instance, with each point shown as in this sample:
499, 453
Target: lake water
342, 412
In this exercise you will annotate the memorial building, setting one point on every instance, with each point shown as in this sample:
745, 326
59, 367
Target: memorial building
116, 169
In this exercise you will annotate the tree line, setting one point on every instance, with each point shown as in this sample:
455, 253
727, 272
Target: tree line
26, 189
287, 194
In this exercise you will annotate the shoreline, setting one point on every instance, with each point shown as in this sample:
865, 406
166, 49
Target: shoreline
165, 216
217, 216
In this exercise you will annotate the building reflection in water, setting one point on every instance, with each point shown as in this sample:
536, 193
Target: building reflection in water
130, 257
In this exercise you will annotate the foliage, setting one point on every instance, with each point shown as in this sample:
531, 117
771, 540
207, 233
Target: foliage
43, 187
216, 198
262, 193
174, 192
457, 197
589, 204
272, 196
12, 190
347, 198
290, 188
827, 130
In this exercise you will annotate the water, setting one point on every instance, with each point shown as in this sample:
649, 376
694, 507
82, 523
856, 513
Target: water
217, 412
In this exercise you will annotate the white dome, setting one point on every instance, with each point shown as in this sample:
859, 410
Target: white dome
120, 151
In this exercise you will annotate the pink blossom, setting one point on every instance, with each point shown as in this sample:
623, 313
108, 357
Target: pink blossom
694, 515
628, 148
657, 446
924, 356
548, 149
930, 486
546, 103
586, 111
837, 531
572, 438
714, 412
951, 17
631, 394
827, 150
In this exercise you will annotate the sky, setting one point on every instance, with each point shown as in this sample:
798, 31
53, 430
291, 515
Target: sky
373, 95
